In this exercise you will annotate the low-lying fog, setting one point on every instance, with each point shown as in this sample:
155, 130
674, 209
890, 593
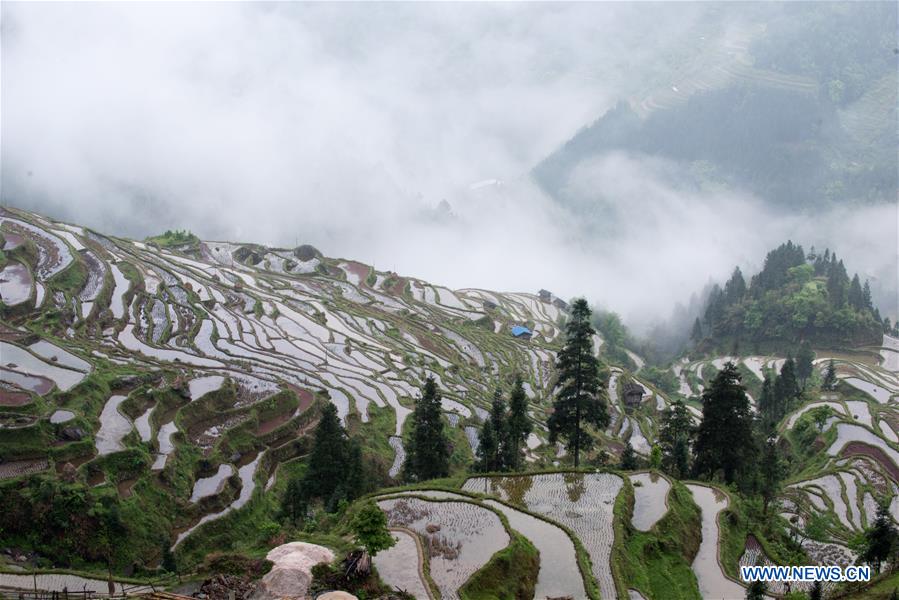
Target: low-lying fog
348, 125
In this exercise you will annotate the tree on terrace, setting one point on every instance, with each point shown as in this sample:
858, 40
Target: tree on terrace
724, 439
579, 400
428, 450
518, 426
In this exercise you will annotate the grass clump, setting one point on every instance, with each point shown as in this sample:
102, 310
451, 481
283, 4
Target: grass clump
658, 562
178, 237
511, 573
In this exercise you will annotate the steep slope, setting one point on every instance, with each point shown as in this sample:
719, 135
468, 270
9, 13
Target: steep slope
798, 108
195, 363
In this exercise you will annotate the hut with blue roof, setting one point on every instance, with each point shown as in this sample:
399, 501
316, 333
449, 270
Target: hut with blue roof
521, 332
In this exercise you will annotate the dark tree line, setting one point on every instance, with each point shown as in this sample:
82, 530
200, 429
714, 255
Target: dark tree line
428, 448
795, 296
504, 433
335, 470
729, 444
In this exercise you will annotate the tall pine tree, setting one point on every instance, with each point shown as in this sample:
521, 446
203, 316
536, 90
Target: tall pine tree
490, 451
804, 363
675, 438
518, 427
880, 539
327, 461
579, 399
767, 403
724, 440
335, 470
428, 449
772, 473
830, 376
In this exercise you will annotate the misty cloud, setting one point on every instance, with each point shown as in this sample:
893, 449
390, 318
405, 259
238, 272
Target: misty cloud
344, 125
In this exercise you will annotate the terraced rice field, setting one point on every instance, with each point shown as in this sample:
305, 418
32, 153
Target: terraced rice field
582, 502
460, 536
20, 360
15, 284
114, 426
58, 582
650, 499
712, 581
247, 474
212, 485
559, 575
396, 565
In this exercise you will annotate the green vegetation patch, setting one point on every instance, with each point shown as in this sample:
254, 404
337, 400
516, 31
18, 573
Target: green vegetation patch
511, 574
178, 237
658, 562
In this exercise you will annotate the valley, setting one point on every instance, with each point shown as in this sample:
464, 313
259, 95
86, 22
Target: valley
177, 385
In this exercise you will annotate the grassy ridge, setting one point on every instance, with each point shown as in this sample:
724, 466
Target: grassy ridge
511, 574
658, 562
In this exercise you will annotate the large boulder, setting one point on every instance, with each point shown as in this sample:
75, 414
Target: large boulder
292, 571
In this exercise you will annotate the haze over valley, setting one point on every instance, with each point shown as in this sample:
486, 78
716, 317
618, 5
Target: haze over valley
475, 301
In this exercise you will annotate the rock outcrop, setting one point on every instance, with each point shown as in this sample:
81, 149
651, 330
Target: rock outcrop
292, 571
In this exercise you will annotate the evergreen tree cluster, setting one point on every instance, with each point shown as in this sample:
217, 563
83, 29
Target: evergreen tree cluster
728, 445
795, 296
504, 433
428, 448
335, 471
725, 443
780, 392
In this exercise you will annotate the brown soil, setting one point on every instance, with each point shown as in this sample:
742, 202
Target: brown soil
125, 487
10, 398
76, 462
359, 270
399, 287
874, 453
272, 424
305, 396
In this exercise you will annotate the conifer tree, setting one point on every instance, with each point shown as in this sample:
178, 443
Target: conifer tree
335, 470
487, 449
428, 449
856, 296
498, 424
830, 376
767, 401
696, 336
675, 438
804, 363
866, 295
628, 458
772, 473
327, 461
724, 440
518, 427
355, 478
880, 539
579, 400
837, 283
786, 389
735, 288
